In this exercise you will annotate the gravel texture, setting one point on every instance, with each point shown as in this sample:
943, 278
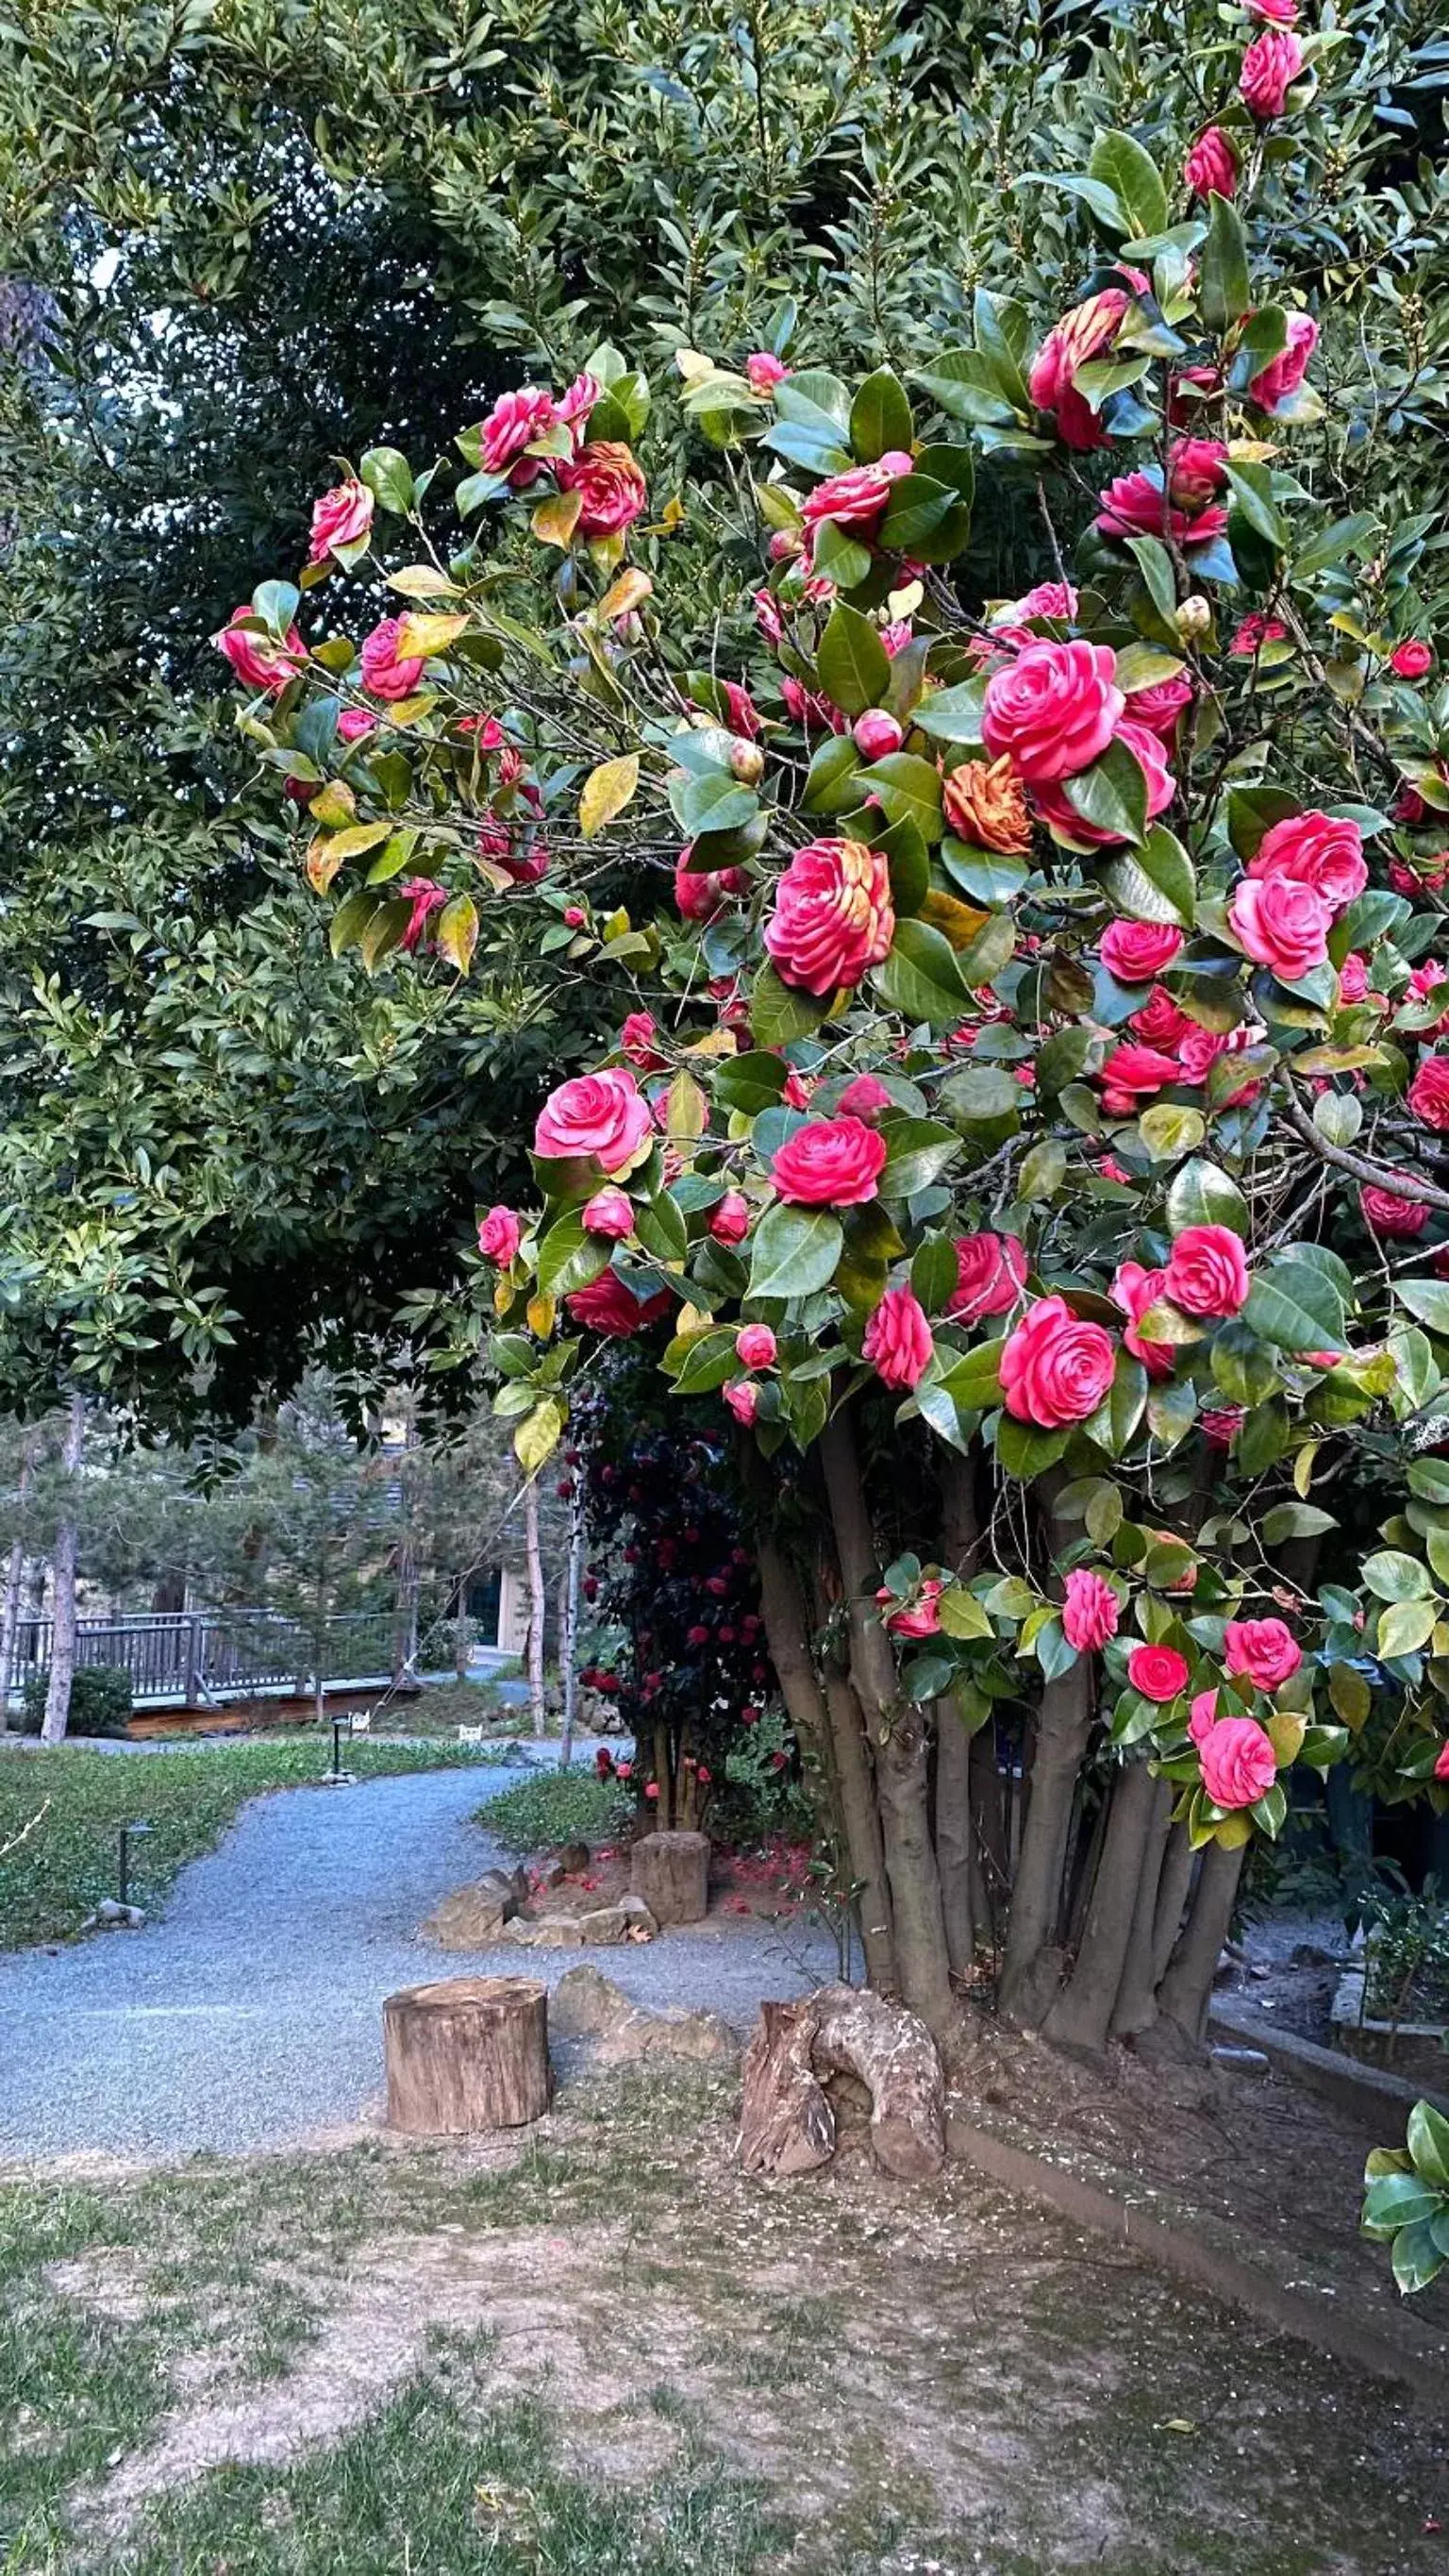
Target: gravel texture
249, 2015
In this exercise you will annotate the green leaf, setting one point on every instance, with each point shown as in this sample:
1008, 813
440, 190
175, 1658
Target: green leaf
1428, 2144
1252, 487
1112, 794
1155, 565
1295, 1520
917, 1150
974, 1380
934, 1272
1333, 543
1418, 2257
1224, 291
1023, 1451
388, 476
568, 1258
1405, 1626
704, 1362
1200, 1194
839, 557
779, 1013
1295, 1307
981, 1094
926, 518
1104, 202
954, 715
795, 1252
1392, 1576
1123, 166
854, 666
1155, 882
909, 789
880, 417
351, 919
715, 802
962, 1615
991, 949
832, 782
1426, 1298
661, 1229
986, 875
921, 977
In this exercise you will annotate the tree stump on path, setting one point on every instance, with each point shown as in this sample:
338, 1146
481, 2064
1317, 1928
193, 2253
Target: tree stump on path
671, 1873
467, 2053
787, 2124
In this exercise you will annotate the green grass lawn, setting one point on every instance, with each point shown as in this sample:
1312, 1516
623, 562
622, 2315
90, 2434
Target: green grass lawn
74, 1800
557, 1807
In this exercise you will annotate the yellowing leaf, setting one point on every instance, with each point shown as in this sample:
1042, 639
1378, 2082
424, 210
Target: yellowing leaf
422, 581
691, 1320
322, 864
616, 927
457, 932
1303, 1466
406, 711
555, 519
627, 593
541, 1313
718, 1042
357, 838
959, 921
537, 1435
422, 633
693, 366
1234, 1831
606, 791
502, 1297
687, 1110
334, 804
1285, 1733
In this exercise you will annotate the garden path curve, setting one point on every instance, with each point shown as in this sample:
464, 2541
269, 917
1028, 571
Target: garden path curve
248, 2015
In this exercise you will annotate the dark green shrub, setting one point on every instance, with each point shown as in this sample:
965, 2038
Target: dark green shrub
100, 1701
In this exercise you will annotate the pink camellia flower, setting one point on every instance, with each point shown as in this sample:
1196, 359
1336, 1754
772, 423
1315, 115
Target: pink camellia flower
1207, 1271
1054, 599
918, 1617
1282, 924
597, 1115
1412, 659
1135, 505
574, 407
1276, 13
610, 486
341, 517
1441, 1767
426, 899
876, 734
1221, 1424
1202, 1714
1353, 978
636, 1041
857, 498
1428, 1093
799, 1089
1055, 1367
829, 1162
811, 708
1238, 1762
1160, 709
1053, 710
1198, 1050
702, 893
1281, 378
1197, 471
832, 916
1250, 637
743, 1398
763, 371
257, 658
609, 1213
607, 1306
1324, 851
515, 421
1264, 1651
1135, 1290
1389, 1215
755, 1346
355, 724
385, 672
730, 1221
1060, 815
499, 1235
898, 1340
1135, 951
1270, 66
1139, 1069
1086, 332
1211, 167
1160, 1024
990, 1276
1091, 1611
865, 1097
1157, 1672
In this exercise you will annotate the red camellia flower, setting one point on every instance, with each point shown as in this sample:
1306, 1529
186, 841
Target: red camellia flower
1085, 333
829, 1162
832, 917
1058, 812
877, 734
1324, 851
1207, 1271
1157, 1672
730, 1221
1135, 951
1238, 1762
386, 673
1270, 66
426, 898
1411, 660
918, 1617
856, 499
863, 1098
1136, 1290
1144, 1069
607, 1306
1211, 167
1441, 1767
1160, 709
1222, 1423
257, 658
898, 1340
341, 517
610, 485
1091, 1610
1053, 710
755, 1346
1135, 505
702, 893
1250, 637
1428, 1093
1281, 924
609, 1213
1389, 1215
1281, 378
1055, 1368
743, 1399
499, 1235
990, 1276
1197, 471
636, 1041
1159, 1023
597, 1114
1264, 1650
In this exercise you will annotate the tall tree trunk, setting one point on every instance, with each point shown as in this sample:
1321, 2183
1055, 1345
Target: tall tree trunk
1136, 2006
1174, 1886
14, 1586
1082, 2013
960, 1537
63, 1571
990, 1849
1186, 1991
568, 1646
900, 1742
537, 1606
1029, 1972
405, 1622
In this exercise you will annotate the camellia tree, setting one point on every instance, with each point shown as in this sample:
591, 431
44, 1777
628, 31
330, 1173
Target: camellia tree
1026, 1127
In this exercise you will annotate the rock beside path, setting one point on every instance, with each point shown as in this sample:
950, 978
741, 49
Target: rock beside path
585, 2004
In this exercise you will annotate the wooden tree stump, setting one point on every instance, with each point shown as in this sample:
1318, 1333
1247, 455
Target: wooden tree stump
786, 2124
671, 1873
467, 2053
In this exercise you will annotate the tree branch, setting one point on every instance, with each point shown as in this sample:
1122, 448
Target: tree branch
1403, 1181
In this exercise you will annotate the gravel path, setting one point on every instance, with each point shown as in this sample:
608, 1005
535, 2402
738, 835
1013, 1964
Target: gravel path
249, 2015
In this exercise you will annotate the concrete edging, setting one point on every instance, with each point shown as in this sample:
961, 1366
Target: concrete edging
1365, 2090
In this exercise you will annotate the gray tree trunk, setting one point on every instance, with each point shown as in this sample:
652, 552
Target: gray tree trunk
14, 1588
63, 1572
537, 1607
568, 1650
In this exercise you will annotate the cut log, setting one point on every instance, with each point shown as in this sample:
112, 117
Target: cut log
896, 2058
671, 1873
467, 2053
786, 2124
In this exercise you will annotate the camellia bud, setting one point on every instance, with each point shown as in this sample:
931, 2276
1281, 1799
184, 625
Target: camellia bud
1194, 618
875, 734
747, 761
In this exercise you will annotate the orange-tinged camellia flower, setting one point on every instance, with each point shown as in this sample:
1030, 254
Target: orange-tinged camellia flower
985, 803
